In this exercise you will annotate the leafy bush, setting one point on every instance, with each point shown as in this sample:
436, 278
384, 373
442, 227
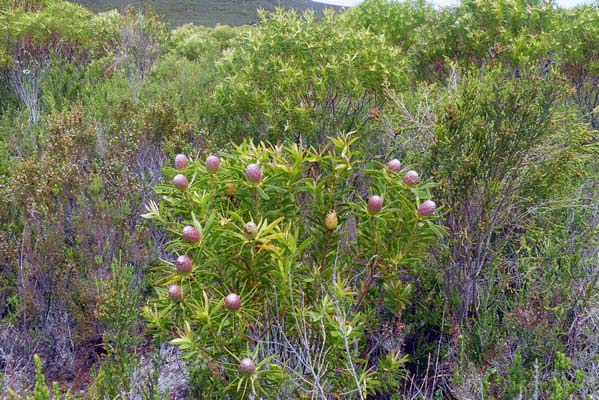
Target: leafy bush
576, 39
36, 35
509, 158
66, 27
413, 26
321, 302
194, 42
514, 33
118, 311
502, 149
294, 77
399, 22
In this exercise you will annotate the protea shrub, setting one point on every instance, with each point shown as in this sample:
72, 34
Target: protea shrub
271, 240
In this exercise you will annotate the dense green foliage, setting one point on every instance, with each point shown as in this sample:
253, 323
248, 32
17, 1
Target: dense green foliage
493, 296
296, 278
293, 76
503, 147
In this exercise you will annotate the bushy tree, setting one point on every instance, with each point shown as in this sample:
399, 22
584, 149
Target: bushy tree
296, 77
512, 33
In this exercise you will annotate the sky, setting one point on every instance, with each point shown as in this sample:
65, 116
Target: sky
351, 3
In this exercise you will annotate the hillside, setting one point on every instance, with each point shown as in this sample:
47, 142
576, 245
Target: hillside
206, 12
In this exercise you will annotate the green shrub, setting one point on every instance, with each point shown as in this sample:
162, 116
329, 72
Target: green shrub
40, 391
195, 42
566, 383
66, 27
118, 312
576, 39
510, 156
508, 32
399, 22
185, 85
516, 34
413, 26
299, 281
503, 146
294, 77
61, 84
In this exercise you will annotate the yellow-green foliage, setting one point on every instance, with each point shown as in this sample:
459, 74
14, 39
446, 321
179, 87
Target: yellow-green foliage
61, 25
294, 275
516, 33
577, 37
295, 75
512, 30
399, 22
193, 41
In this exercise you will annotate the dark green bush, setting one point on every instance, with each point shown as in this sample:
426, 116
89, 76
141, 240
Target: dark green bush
576, 39
504, 146
117, 310
509, 157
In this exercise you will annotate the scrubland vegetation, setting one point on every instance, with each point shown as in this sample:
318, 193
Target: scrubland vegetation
392, 202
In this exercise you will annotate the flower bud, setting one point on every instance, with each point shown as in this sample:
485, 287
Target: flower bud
180, 161
375, 204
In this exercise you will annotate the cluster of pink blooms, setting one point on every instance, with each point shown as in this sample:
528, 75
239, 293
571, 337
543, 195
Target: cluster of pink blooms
411, 178
253, 174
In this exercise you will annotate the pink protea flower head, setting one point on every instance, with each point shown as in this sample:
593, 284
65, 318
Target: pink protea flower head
411, 178
427, 208
175, 293
233, 302
184, 264
253, 174
212, 164
180, 161
375, 204
247, 366
190, 234
250, 230
394, 165
180, 181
